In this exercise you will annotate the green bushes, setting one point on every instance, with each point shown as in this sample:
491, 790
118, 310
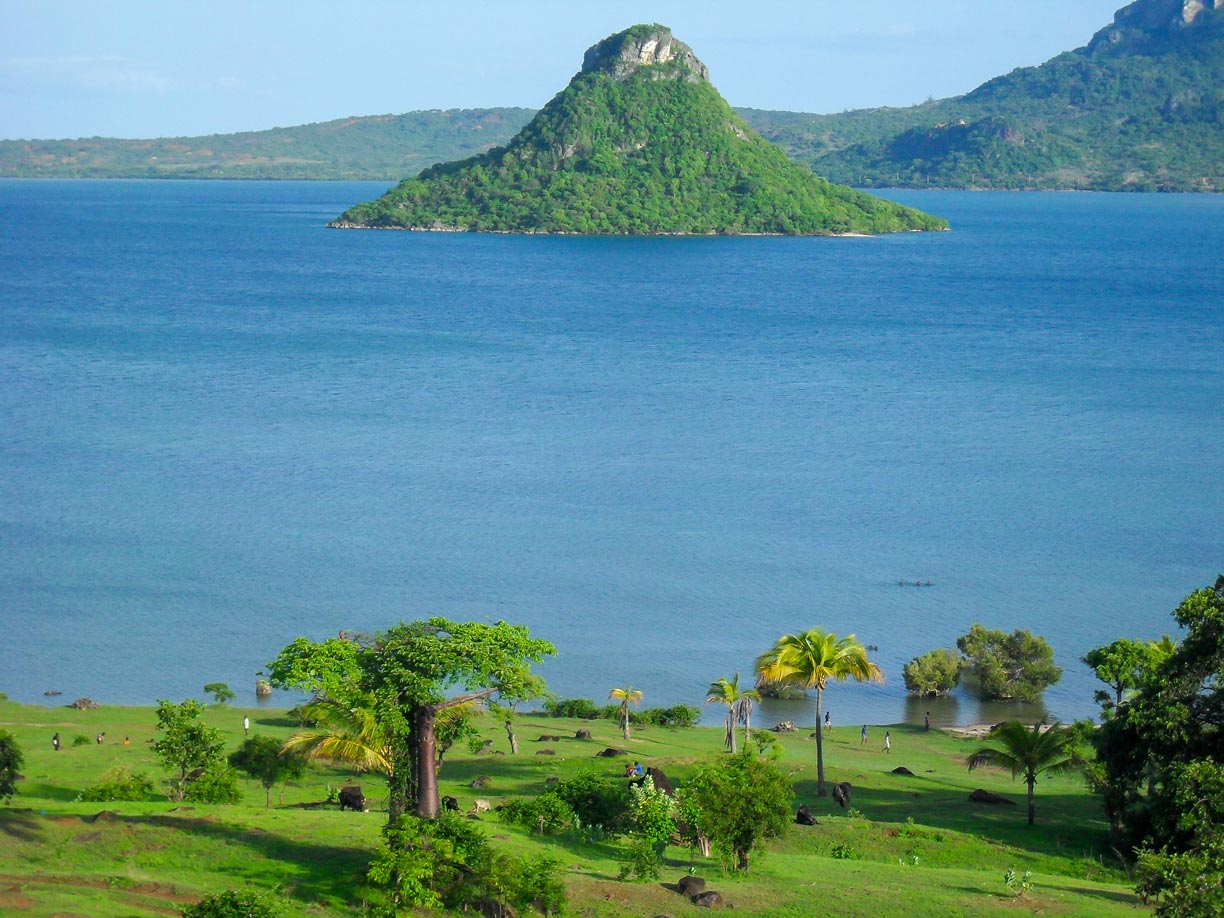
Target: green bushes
597, 801
233, 904
680, 715
218, 783
547, 814
119, 783
447, 863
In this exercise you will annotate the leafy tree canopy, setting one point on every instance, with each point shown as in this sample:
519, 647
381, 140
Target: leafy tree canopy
933, 674
11, 760
1009, 667
740, 801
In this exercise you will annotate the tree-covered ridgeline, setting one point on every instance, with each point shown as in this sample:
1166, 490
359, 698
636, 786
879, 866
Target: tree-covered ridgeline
645, 149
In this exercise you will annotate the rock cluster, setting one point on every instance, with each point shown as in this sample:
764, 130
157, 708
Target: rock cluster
644, 46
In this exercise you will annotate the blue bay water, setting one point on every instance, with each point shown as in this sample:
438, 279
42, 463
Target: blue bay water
223, 425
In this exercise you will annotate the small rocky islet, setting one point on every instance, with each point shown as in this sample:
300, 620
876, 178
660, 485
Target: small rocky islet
641, 143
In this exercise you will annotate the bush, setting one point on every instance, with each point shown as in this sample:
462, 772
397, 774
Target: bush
534, 884
680, 715
1017, 666
231, 904
81, 740
579, 708
119, 783
933, 674
547, 813
218, 784
446, 862
596, 800
11, 760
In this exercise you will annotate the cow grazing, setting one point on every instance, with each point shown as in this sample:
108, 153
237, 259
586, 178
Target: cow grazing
351, 798
450, 803
481, 805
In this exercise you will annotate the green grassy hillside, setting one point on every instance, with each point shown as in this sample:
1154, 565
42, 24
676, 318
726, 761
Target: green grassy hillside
910, 846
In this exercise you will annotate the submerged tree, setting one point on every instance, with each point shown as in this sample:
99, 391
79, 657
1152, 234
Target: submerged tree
810, 659
1009, 667
1028, 752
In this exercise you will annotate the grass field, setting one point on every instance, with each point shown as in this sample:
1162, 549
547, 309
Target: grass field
911, 846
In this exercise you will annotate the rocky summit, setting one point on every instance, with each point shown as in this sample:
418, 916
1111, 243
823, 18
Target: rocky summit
639, 142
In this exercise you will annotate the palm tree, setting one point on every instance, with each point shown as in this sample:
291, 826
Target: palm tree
626, 697
739, 706
1029, 753
809, 660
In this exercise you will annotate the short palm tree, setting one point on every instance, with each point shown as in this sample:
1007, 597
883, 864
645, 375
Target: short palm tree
1028, 752
810, 659
626, 697
739, 706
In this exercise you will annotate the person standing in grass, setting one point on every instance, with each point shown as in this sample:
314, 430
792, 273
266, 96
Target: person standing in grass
863, 736
887, 742
55, 742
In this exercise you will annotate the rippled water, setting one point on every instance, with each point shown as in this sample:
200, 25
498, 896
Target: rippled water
222, 426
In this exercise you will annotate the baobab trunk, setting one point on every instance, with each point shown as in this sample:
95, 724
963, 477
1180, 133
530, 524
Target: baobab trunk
424, 744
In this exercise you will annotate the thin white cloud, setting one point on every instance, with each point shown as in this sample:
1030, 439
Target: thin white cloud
89, 74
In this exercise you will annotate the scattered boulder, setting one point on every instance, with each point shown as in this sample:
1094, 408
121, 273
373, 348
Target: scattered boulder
787, 726
691, 886
804, 817
545, 738
583, 734
660, 781
985, 796
481, 781
263, 687
546, 752
485, 748
85, 704
707, 899
552, 781
902, 770
351, 798
610, 753
841, 793
106, 816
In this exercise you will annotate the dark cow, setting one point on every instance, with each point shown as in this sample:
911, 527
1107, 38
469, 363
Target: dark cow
841, 793
451, 804
804, 817
351, 798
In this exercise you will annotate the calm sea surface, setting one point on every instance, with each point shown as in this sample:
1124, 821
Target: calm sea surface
223, 426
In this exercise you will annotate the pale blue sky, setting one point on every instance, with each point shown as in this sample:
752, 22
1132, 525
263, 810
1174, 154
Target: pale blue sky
135, 68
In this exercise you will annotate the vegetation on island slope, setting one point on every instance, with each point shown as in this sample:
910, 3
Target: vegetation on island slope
647, 149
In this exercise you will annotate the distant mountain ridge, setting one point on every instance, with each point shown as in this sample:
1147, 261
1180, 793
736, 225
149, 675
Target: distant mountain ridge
1139, 107
639, 142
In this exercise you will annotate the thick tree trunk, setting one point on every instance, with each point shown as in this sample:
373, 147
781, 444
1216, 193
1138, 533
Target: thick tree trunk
820, 782
424, 744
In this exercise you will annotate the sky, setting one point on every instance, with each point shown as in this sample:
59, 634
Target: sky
135, 68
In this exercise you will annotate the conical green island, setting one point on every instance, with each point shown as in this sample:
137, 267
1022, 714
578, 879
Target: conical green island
639, 142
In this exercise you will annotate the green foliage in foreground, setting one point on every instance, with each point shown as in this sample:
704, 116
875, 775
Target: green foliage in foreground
649, 153
739, 802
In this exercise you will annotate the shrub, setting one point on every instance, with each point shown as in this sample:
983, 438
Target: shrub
596, 800
81, 740
218, 784
547, 813
579, 708
231, 904
11, 760
119, 783
446, 862
680, 715
534, 884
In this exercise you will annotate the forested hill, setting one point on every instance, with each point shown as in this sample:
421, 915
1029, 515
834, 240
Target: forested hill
639, 142
1140, 107
372, 147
